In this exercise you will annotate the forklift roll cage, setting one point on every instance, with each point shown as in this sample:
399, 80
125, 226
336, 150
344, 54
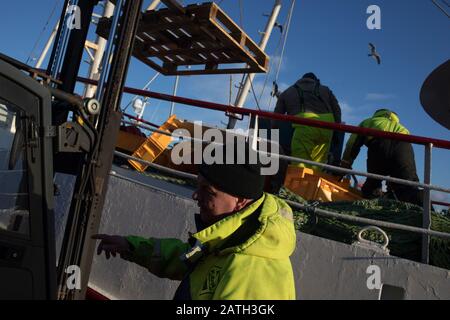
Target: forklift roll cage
27, 258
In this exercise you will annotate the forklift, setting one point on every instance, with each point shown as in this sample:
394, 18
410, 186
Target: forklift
45, 128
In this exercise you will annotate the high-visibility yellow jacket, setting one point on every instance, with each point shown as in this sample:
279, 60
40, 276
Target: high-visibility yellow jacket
307, 98
243, 256
384, 120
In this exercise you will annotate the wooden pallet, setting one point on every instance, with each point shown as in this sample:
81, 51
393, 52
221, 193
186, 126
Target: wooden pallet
193, 40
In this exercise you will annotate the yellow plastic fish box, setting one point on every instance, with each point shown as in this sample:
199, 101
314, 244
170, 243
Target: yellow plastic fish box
154, 145
319, 186
129, 142
194, 130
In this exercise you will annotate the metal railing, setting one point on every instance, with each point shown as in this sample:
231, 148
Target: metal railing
309, 209
429, 143
441, 203
300, 160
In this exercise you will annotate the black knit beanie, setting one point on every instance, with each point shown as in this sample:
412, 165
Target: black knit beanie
239, 180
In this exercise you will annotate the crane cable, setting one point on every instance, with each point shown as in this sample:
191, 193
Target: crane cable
39, 38
281, 43
257, 100
254, 94
270, 67
241, 23
241, 18
241, 14
288, 25
442, 9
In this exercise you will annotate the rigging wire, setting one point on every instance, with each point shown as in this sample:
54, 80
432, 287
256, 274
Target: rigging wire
270, 67
241, 17
282, 40
145, 88
231, 90
288, 25
241, 14
440, 7
39, 38
254, 94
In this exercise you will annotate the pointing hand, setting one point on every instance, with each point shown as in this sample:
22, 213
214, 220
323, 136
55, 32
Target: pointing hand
111, 245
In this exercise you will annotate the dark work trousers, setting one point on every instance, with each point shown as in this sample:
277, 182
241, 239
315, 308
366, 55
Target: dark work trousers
395, 159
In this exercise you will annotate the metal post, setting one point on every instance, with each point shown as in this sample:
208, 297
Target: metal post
108, 50
153, 5
175, 89
97, 171
95, 69
243, 92
141, 114
101, 44
47, 46
426, 220
57, 47
75, 47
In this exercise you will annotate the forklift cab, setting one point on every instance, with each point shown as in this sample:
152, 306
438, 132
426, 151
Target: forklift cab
27, 246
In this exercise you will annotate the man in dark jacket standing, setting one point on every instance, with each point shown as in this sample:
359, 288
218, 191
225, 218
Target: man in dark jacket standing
307, 98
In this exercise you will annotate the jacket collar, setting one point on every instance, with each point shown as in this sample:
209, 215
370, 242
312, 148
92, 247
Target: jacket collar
214, 236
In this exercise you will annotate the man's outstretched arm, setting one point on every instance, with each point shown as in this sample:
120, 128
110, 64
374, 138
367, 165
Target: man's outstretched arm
162, 257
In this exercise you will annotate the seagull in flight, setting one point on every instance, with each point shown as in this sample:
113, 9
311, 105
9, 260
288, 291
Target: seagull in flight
374, 53
279, 26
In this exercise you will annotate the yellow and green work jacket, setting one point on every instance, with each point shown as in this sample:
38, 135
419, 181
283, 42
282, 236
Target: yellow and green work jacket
383, 120
243, 256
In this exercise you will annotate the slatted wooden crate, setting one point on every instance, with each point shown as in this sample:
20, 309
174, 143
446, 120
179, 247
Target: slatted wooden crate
197, 39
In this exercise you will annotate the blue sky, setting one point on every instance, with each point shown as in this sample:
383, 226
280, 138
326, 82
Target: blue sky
328, 37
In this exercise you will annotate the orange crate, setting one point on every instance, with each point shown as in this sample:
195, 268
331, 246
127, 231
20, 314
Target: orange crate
154, 145
129, 142
319, 186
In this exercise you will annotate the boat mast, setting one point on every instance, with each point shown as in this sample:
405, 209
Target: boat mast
47, 46
99, 47
244, 89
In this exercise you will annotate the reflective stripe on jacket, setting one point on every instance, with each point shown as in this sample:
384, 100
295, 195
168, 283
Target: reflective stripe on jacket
243, 256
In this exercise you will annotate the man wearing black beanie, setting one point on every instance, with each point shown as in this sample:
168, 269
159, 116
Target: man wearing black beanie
238, 182
243, 250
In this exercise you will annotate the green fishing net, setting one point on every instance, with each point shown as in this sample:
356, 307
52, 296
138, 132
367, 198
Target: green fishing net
401, 243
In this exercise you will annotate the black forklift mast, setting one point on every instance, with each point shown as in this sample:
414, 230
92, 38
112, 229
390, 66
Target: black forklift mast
72, 58
92, 168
